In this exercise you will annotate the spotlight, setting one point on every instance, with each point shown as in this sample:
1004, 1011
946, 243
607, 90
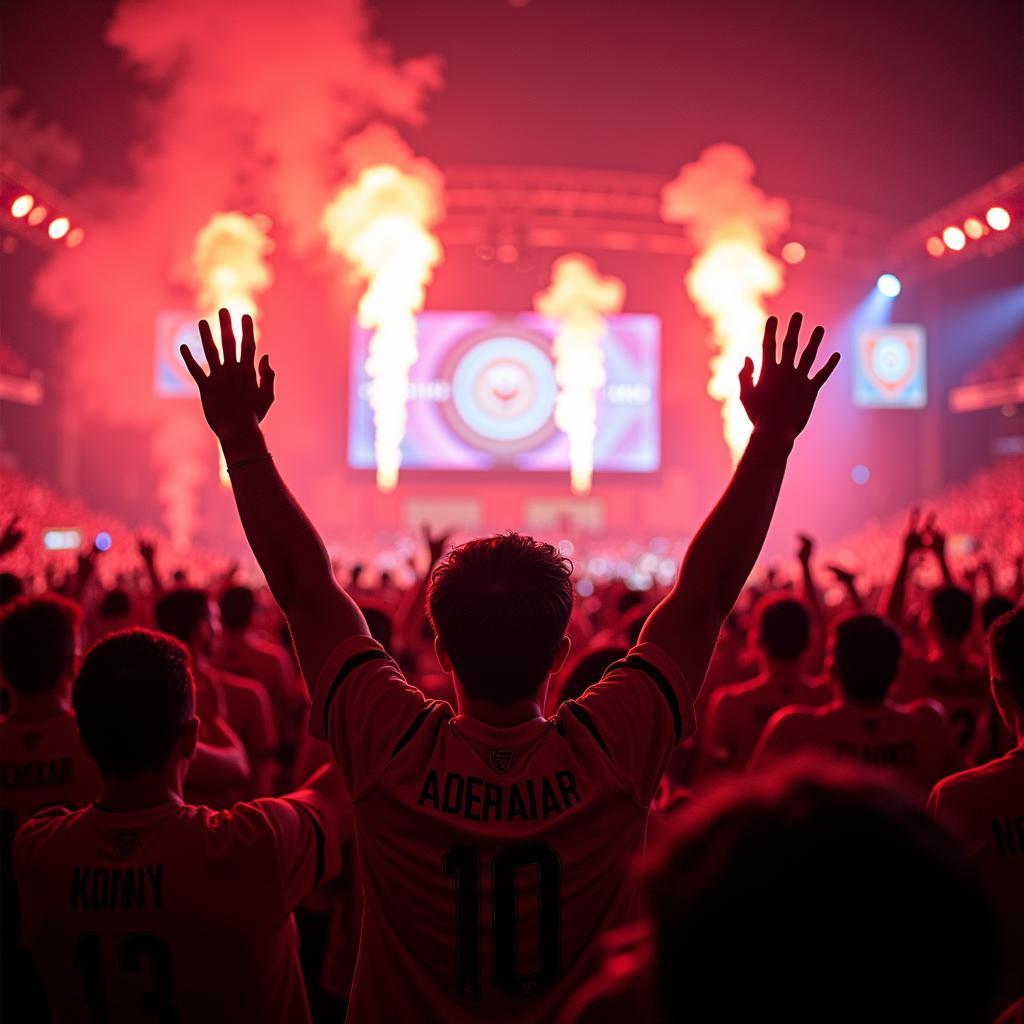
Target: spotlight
935, 246
860, 474
954, 238
104, 541
973, 228
889, 285
793, 252
21, 206
37, 215
998, 219
75, 236
58, 227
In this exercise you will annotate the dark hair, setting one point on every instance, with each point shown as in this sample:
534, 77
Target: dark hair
830, 892
588, 669
500, 606
237, 607
115, 604
37, 642
11, 587
866, 650
1006, 642
783, 626
993, 607
179, 612
132, 697
952, 611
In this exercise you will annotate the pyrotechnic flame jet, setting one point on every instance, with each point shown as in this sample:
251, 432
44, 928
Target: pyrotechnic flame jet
731, 222
230, 268
580, 298
381, 223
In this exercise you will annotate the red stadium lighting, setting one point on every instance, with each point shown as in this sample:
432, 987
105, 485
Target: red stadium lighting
37, 215
793, 252
75, 236
954, 238
998, 219
58, 227
935, 246
22, 205
973, 228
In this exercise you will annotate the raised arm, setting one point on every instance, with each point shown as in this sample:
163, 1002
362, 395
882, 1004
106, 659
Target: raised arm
722, 554
286, 545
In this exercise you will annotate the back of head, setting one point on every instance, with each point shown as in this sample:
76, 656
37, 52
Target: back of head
11, 587
38, 642
180, 612
866, 653
116, 604
951, 612
237, 607
1006, 646
992, 608
501, 605
783, 626
828, 894
132, 697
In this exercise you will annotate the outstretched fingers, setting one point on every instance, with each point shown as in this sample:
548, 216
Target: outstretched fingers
248, 354
227, 338
818, 380
768, 345
789, 343
209, 345
267, 376
192, 366
810, 353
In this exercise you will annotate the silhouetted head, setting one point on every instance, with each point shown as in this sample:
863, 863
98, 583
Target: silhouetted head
135, 703
500, 607
116, 604
950, 613
817, 892
237, 607
782, 627
190, 616
588, 669
39, 639
865, 656
992, 608
1006, 658
11, 587
382, 629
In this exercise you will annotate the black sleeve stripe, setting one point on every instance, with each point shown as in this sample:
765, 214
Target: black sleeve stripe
588, 723
350, 666
414, 728
321, 840
658, 677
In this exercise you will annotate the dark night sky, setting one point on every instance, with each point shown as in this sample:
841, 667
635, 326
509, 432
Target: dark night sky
891, 107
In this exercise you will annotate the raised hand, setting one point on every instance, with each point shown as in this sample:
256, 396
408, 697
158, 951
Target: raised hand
11, 537
843, 576
806, 549
147, 550
783, 397
234, 401
914, 535
436, 543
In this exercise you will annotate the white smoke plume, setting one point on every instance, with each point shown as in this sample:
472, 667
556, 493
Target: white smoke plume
580, 299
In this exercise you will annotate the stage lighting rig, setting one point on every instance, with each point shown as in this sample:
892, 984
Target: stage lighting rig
34, 211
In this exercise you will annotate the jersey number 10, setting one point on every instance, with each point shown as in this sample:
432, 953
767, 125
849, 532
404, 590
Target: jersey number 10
462, 863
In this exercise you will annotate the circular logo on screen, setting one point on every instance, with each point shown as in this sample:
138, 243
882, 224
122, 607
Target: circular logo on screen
503, 390
891, 361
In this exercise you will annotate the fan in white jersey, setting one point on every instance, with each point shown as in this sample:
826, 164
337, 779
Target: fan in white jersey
986, 804
142, 906
494, 843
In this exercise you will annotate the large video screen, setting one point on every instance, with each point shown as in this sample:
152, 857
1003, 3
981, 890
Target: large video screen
482, 396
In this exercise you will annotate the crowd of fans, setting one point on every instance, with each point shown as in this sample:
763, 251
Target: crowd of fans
837, 833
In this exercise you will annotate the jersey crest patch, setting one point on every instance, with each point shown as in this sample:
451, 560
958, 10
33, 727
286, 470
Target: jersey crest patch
500, 759
125, 841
